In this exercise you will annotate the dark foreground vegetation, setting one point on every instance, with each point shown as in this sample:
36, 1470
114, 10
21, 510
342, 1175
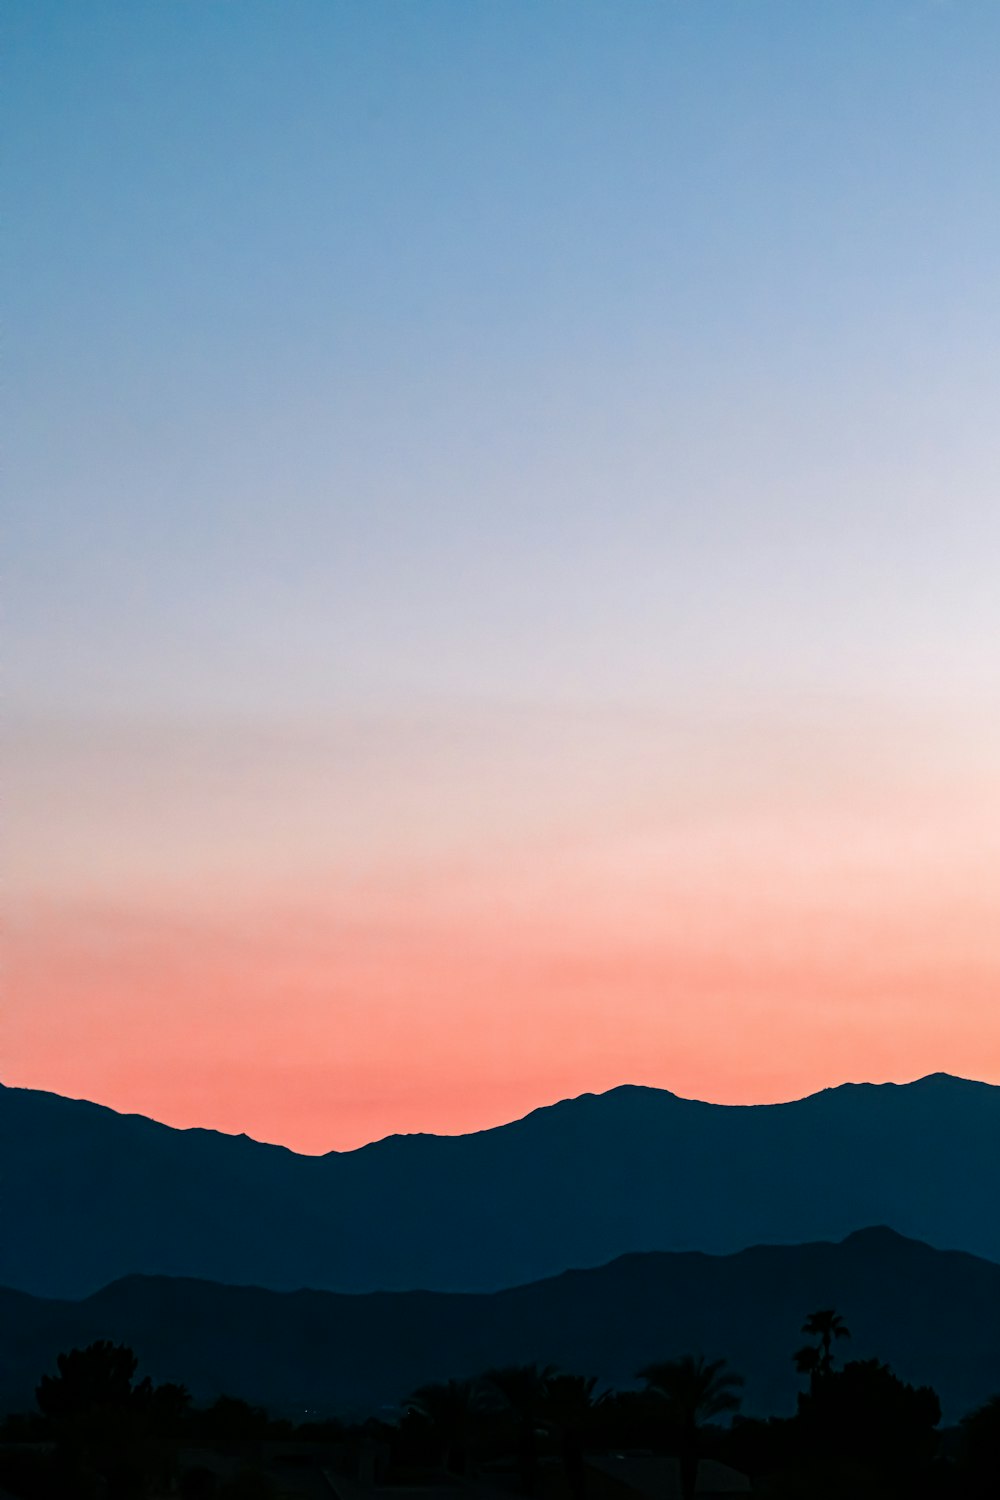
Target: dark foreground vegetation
99, 1433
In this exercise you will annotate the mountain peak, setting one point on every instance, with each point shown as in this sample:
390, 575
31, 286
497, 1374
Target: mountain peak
875, 1234
950, 1081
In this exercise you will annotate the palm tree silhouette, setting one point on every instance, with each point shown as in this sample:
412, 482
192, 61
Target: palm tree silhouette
826, 1325
693, 1390
567, 1409
452, 1408
523, 1389
807, 1362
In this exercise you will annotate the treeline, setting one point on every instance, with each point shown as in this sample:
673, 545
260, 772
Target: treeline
99, 1433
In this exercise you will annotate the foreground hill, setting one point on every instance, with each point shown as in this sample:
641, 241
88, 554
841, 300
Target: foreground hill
934, 1315
90, 1195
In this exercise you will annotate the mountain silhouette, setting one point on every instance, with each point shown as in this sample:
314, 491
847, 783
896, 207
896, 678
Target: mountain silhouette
90, 1196
934, 1315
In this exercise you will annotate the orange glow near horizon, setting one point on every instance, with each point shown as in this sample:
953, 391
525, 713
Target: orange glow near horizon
761, 971
502, 529
448, 940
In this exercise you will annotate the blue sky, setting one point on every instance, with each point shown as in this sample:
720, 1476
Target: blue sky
429, 323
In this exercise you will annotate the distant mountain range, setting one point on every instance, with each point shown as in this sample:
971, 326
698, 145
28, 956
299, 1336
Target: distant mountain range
934, 1315
90, 1196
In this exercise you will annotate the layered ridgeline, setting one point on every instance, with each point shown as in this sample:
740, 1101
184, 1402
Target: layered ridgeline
90, 1196
933, 1315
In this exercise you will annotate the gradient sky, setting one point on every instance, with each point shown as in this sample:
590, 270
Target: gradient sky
503, 553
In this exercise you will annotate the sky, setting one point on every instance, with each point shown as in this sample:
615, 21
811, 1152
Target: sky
501, 554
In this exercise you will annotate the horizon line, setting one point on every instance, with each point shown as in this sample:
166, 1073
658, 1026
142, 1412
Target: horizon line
397, 1135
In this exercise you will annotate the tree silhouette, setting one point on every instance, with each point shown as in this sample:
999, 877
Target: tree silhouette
522, 1389
807, 1362
981, 1449
568, 1409
864, 1413
98, 1378
826, 1325
693, 1391
452, 1409
109, 1431
233, 1419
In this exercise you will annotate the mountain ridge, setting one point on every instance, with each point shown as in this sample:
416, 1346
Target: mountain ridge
940, 1077
95, 1195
